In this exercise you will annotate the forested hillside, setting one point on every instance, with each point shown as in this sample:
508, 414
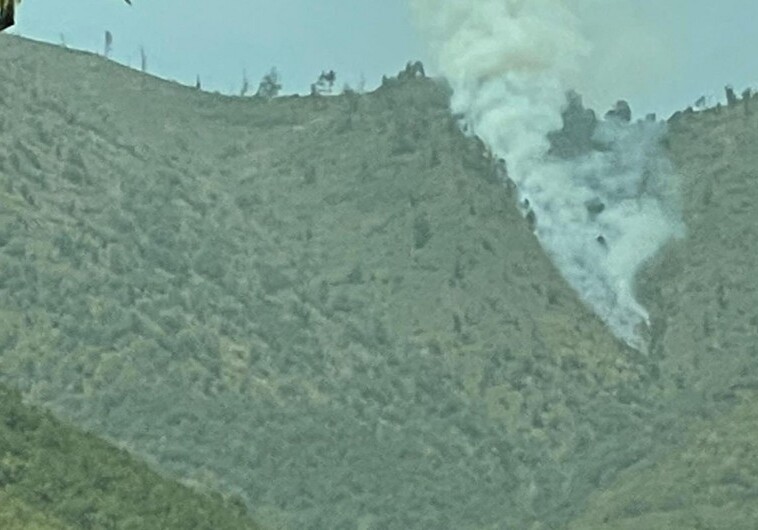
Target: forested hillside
332, 307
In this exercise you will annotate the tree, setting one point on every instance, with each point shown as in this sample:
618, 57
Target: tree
108, 43
621, 111
245, 84
731, 97
324, 84
143, 59
269, 86
413, 70
579, 124
747, 94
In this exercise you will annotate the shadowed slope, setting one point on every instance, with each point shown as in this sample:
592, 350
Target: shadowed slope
55, 477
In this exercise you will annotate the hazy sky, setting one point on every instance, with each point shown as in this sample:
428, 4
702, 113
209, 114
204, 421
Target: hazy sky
696, 46
217, 39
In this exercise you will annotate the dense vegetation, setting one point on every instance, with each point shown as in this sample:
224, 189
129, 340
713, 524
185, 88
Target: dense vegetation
332, 308
53, 476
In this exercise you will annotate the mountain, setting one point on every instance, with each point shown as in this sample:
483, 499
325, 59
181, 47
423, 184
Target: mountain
333, 310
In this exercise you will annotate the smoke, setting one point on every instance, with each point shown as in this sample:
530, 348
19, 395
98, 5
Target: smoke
603, 194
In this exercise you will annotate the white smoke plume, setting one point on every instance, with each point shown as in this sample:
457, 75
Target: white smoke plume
600, 215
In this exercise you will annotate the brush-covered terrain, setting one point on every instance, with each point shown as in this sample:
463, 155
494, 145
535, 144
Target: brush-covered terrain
53, 476
331, 310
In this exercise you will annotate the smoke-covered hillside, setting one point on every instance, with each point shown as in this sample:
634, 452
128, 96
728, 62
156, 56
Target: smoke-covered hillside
335, 308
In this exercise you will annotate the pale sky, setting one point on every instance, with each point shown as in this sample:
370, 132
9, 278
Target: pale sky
217, 39
705, 44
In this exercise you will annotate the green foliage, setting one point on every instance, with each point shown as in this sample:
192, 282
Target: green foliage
17, 515
58, 477
232, 292
703, 483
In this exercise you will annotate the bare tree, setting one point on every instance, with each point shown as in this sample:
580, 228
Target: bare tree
143, 59
245, 84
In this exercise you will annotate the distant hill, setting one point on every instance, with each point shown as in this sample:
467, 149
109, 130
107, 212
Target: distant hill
332, 307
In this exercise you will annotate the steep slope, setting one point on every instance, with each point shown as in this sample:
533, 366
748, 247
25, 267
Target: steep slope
711, 481
704, 296
54, 477
328, 306
704, 290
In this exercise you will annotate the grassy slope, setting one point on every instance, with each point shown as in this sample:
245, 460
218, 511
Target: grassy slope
328, 306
